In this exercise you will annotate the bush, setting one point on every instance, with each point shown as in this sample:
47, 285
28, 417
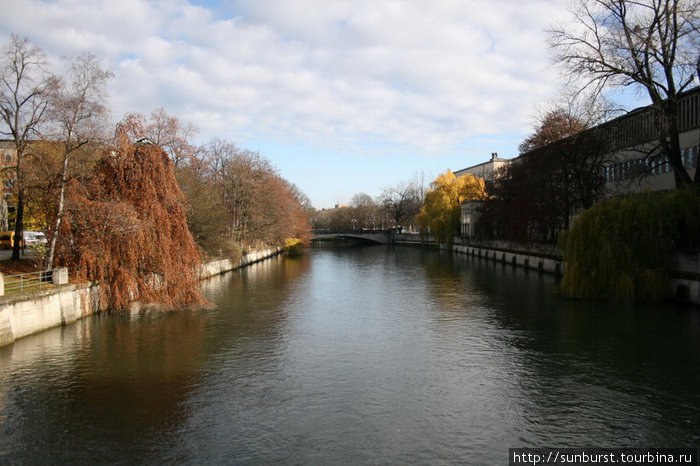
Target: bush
619, 248
293, 246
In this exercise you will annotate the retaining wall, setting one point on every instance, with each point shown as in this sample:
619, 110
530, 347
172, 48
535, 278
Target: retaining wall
32, 312
35, 311
217, 267
684, 284
545, 264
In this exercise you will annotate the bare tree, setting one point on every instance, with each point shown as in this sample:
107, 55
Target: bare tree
79, 115
402, 201
25, 87
654, 44
240, 175
173, 136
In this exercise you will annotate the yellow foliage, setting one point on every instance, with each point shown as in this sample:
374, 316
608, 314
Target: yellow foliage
441, 210
293, 246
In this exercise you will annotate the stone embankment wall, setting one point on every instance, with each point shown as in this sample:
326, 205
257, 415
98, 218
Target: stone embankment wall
35, 311
684, 267
543, 260
32, 312
217, 267
541, 263
685, 277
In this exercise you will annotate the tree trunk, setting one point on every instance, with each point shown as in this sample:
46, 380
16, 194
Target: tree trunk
19, 226
59, 214
670, 142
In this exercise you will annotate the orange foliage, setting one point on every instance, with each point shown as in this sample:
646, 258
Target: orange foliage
125, 226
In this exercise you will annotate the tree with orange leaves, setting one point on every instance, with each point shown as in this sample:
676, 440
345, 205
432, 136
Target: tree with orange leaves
125, 226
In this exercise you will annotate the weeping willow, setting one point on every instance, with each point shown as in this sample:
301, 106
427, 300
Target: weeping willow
619, 249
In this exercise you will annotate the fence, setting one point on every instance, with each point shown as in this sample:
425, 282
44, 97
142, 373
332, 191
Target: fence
32, 281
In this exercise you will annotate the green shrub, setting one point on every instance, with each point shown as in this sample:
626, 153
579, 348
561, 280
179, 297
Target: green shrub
619, 248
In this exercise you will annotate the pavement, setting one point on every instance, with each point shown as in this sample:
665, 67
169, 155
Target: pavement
5, 254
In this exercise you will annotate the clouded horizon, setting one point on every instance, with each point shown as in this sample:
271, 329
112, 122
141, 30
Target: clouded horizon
342, 96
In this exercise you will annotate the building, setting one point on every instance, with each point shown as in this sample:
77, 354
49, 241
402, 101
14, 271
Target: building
636, 164
471, 210
8, 154
633, 162
484, 170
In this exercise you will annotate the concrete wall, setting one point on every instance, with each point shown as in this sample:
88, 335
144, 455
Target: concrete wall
542, 264
684, 285
32, 312
39, 310
217, 267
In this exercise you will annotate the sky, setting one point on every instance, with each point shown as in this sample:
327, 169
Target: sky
342, 96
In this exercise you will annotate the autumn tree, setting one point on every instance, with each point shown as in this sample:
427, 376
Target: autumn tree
299, 213
261, 207
206, 219
442, 208
172, 135
42, 180
573, 153
652, 44
125, 227
278, 215
554, 125
558, 173
78, 114
239, 174
25, 87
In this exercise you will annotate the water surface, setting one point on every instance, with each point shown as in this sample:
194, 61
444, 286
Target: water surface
367, 355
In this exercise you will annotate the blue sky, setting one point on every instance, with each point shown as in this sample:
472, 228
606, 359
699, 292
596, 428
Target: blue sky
342, 96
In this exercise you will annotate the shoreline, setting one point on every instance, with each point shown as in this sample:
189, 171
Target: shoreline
36, 311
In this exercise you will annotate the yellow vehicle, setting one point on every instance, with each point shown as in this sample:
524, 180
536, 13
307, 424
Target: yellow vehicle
7, 240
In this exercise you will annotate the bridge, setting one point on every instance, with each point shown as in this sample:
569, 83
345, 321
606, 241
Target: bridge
370, 236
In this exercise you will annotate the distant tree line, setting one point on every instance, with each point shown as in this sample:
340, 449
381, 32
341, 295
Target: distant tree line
396, 206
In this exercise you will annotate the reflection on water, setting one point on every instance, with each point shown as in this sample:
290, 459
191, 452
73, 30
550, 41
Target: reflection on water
363, 355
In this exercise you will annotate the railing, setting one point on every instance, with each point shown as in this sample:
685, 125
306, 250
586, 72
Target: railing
28, 281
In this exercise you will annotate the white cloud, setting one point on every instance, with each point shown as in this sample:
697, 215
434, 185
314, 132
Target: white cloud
427, 75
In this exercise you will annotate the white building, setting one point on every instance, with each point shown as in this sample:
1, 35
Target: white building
471, 210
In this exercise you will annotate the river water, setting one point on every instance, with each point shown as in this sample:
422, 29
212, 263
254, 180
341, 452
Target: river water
372, 355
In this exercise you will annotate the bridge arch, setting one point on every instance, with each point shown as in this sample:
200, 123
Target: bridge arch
369, 236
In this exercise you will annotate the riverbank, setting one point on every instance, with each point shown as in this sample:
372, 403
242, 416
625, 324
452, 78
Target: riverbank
684, 271
32, 312
684, 267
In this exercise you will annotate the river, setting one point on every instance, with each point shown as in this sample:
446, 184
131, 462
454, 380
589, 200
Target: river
374, 355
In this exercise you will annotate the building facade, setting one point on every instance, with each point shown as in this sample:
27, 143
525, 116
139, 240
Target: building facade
8, 155
634, 162
471, 210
